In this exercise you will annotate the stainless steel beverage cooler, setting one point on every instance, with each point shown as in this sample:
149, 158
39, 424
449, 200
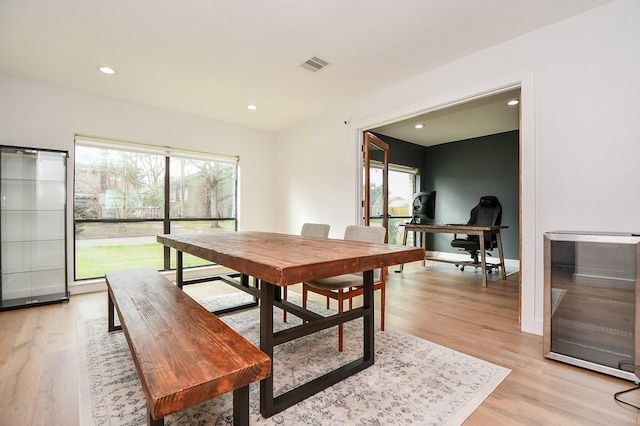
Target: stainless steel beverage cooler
591, 299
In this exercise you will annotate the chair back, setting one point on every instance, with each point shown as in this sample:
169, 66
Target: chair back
367, 234
319, 230
487, 212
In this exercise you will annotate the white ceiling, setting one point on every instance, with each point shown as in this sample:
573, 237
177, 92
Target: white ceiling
211, 58
481, 117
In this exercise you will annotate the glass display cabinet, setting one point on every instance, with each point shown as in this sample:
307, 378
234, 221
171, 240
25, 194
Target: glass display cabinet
33, 197
591, 296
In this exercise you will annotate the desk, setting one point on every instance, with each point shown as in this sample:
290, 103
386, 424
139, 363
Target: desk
279, 260
481, 231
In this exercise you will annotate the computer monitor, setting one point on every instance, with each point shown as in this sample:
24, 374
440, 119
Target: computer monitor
424, 207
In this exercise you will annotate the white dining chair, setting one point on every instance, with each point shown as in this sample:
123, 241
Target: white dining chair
347, 286
318, 230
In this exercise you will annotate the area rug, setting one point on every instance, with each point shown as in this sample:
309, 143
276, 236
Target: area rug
413, 381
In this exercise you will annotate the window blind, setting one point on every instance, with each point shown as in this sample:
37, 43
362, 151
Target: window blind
105, 143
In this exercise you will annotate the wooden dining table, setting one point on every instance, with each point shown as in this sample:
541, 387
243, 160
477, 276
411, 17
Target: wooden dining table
278, 260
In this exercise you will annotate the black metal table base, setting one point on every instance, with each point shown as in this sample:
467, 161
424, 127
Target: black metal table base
270, 296
270, 404
230, 279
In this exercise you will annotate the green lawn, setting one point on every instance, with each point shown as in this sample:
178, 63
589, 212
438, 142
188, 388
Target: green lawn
95, 261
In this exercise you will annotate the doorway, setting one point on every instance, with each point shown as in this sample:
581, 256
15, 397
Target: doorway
376, 191
468, 120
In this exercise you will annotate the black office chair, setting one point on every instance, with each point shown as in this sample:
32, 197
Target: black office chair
487, 212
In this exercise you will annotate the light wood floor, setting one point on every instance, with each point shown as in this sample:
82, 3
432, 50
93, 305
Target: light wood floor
39, 373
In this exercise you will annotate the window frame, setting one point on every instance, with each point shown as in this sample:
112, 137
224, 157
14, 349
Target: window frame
394, 236
168, 153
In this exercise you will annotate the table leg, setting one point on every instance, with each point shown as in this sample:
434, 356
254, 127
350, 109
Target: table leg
151, 421
266, 346
111, 314
369, 329
483, 257
423, 242
501, 254
270, 405
241, 406
179, 277
404, 243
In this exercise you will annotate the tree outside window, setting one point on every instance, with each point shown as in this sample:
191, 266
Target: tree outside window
121, 202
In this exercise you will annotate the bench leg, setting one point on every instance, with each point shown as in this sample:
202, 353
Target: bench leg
151, 421
241, 406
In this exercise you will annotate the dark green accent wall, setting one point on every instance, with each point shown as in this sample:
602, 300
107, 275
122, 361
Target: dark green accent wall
463, 171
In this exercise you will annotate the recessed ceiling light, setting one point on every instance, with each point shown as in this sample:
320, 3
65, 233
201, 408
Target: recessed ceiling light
252, 107
513, 102
419, 126
107, 70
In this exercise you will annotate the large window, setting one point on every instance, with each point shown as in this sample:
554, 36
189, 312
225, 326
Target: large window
403, 183
126, 194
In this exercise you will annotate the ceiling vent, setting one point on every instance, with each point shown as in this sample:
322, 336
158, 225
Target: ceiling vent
314, 64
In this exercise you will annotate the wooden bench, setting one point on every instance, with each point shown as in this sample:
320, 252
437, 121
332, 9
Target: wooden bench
184, 354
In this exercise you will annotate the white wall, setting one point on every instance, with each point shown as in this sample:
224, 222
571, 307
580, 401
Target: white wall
580, 135
317, 172
46, 117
